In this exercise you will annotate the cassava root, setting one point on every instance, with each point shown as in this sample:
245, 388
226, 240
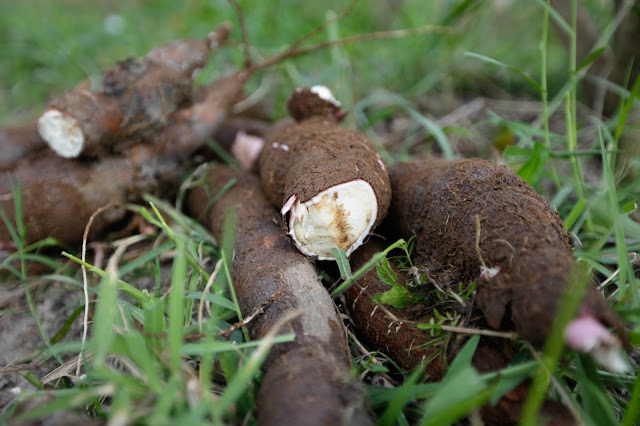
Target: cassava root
60, 195
475, 220
328, 181
133, 103
17, 142
307, 381
394, 331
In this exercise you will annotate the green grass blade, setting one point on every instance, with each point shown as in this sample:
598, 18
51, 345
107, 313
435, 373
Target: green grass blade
570, 301
590, 58
104, 319
626, 272
238, 385
139, 353
556, 17
576, 167
401, 397
66, 399
342, 262
428, 124
632, 415
463, 359
213, 298
216, 347
176, 307
145, 258
166, 401
595, 403
533, 170
62, 332
370, 264
575, 213
518, 71
141, 296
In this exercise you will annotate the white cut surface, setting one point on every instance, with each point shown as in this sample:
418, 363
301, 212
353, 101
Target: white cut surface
339, 217
62, 133
587, 335
325, 93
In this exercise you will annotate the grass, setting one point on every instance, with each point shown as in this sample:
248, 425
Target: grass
168, 353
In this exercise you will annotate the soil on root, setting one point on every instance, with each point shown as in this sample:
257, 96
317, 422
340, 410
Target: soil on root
476, 220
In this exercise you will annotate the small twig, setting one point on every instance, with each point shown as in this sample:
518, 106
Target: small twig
8, 370
364, 350
65, 369
128, 241
448, 291
465, 330
227, 332
85, 285
608, 280
454, 329
378, 35
24, 367
243, 32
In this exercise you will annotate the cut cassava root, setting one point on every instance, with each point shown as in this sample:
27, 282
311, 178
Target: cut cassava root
134, 101
329, 182
475, 220
54, 187
307, 381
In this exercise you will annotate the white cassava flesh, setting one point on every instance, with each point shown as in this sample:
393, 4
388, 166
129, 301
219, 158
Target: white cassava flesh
324, 93
338, 217
62, 132
587, 335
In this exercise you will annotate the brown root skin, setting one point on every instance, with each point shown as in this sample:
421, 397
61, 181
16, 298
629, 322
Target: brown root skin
190, 128
400, 338
304, 104
308, 378
60, 195
311, 382
156, 168
17, 142
522, 242
135, 100
320, 155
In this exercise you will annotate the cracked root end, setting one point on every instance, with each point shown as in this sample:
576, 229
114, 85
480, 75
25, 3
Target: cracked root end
339, 217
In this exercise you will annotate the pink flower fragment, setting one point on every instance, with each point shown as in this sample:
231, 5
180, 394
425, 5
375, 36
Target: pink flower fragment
587, 335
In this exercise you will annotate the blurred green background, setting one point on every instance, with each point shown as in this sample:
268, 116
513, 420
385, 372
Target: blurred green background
47, 46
